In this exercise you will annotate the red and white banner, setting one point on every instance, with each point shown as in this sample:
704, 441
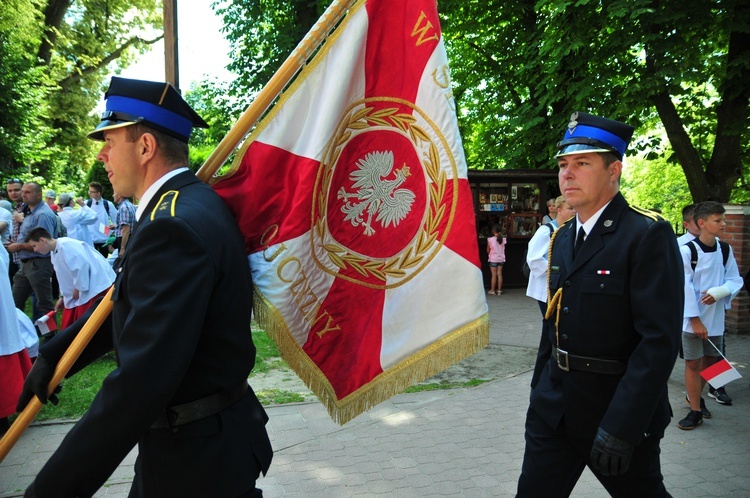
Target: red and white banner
720, 374
353, 199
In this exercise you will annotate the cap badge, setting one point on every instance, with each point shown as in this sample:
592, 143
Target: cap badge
573, 122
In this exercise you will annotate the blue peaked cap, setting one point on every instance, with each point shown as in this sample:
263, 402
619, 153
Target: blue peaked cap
586, 133
156, 105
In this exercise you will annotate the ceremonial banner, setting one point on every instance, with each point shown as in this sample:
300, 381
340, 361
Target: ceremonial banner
353, 199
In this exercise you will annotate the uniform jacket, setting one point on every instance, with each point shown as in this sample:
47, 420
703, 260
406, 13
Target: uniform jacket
622, 298
180, 329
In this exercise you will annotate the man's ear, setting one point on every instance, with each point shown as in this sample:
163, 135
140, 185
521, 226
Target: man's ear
146, 147
615, 170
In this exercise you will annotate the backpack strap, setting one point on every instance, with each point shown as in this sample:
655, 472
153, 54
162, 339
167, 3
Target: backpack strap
693, 255
724, 251
106, 207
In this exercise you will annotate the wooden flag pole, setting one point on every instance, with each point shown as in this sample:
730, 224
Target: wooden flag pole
63, 367
265, 98
275, 85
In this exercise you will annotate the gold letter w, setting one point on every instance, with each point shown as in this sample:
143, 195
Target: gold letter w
422, 31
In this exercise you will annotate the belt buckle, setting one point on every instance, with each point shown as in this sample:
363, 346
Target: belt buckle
560, 355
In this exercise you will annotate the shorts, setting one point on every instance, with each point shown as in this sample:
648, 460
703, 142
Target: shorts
495, 265
695, 348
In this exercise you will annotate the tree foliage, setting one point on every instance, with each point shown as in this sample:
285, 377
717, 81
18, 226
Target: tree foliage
657, 184
521, 68
22, 110
54, 57
262, 34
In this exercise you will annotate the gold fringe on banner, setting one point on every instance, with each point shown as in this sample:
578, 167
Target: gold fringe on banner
446, 351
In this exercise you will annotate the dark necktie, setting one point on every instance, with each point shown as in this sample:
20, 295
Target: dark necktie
579, 241
97, 203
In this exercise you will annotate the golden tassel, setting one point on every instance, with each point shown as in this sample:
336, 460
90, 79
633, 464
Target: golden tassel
446, 351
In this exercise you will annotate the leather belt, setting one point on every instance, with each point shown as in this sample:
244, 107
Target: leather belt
201, 408
567, 362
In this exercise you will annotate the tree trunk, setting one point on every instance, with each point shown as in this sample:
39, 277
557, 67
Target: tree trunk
53, 17
683, 148
725, 166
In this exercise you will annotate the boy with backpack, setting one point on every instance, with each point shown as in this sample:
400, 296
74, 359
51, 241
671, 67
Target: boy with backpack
106, 212
712, 280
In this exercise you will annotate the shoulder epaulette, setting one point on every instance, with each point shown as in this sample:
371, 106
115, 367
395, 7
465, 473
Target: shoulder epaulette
166, 205
647, 213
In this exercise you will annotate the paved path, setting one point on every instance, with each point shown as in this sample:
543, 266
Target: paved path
464, 442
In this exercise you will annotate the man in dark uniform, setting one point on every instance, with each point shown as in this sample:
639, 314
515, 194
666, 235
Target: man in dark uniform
180, 326
616, 279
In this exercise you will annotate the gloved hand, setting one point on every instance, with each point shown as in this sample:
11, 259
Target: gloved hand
37, 382
609, 455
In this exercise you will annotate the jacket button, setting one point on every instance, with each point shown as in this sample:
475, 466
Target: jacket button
567, 283
566, 310
601, 286
565, 336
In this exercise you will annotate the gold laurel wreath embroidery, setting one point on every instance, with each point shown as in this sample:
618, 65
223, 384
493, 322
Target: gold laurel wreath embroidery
397, 266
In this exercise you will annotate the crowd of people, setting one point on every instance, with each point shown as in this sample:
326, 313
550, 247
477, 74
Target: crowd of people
51, 257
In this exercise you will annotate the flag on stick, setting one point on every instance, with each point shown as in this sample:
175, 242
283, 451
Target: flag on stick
720, 373
353, 199
47, 323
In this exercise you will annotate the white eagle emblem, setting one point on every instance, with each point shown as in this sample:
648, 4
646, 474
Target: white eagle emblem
375, 195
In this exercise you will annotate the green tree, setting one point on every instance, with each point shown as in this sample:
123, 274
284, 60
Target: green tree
54, 57
656, 184
212, 100
522, 67
22, 107
83, 40
262, 34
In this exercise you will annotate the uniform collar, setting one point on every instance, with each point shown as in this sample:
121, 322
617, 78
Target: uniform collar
153, 189
589, 225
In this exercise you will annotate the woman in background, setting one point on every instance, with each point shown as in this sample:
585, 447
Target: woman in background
496, 251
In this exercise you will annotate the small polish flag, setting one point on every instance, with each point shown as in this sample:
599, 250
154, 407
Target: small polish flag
47, 323
720, 374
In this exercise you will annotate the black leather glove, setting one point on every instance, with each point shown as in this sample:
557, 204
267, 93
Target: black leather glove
37, 383
610, 456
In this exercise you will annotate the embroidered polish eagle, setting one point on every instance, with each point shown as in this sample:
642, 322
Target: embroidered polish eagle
375, 195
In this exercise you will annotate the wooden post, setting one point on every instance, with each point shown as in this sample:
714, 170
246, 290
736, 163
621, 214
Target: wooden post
171, 55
